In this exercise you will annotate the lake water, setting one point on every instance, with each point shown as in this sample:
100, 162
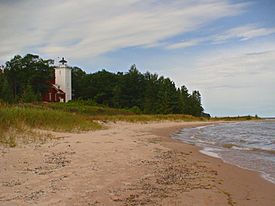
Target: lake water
249, 145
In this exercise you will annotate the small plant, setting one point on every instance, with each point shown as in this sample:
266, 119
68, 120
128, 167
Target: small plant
12, 141
136, 110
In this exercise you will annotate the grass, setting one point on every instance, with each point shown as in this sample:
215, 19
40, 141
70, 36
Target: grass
103, 113
148, 118
16, 136
18, 121
83, 108
237, 118
44, 119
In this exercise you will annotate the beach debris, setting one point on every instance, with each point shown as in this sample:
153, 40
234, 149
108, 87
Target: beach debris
172, 173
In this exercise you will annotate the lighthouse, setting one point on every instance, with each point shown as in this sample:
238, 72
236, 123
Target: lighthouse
63, 79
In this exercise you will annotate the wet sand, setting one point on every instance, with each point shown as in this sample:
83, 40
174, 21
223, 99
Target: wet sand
126, 164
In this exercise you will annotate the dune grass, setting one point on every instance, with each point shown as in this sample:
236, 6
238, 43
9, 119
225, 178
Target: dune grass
44, 119
148, 118
103, 113
82, 107
237, 118
20, 121
168, 117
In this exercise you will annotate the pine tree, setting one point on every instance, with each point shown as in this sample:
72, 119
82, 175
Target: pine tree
6, 91
29, 95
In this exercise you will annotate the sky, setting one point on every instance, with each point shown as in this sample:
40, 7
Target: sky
223, 48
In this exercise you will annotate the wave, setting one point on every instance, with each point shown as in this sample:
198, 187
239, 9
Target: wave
229, 145
268, 177
210, 152
234, 146
201, 127
206, 141
269, 151
255, 149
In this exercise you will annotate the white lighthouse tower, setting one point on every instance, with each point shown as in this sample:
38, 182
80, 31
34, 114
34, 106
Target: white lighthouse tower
63, 79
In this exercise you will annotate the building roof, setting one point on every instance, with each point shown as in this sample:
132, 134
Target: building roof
56, 87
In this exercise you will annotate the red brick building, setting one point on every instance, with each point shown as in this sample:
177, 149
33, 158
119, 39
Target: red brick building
54, 94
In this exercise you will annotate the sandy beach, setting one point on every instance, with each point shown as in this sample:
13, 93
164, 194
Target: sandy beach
125, 164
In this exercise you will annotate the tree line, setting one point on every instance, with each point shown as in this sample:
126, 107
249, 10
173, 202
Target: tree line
25, 79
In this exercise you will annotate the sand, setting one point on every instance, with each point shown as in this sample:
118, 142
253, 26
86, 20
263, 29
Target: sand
126, 164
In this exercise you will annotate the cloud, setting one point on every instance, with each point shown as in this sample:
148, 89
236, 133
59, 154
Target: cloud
242, 33
238, 68
233, 80
245, 32
90, 28
185, 44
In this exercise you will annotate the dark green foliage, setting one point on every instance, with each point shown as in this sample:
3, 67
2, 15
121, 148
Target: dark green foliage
136, 110
131, 89
195, 102
141, 93
150, 93
29, 95
82, 107
25, 79
5, 90
77, 79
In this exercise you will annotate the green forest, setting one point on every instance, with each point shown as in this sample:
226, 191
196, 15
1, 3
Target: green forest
25, 79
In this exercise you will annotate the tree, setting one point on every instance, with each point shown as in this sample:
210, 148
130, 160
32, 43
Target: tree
185, 96
12, 72
150, 93
103, 83
132, 88
5, 90
146, 92
27, 78
195, 103
167, 97
78, 82
29, 95
29, 70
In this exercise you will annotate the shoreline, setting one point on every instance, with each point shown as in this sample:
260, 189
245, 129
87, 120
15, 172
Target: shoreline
256, 177
211, 153
126, 164
262, 174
